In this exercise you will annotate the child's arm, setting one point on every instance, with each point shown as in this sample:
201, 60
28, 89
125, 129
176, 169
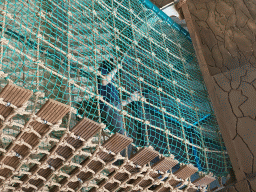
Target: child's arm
108, 78
134, 97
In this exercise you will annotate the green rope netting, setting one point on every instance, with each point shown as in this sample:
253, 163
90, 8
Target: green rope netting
156, 94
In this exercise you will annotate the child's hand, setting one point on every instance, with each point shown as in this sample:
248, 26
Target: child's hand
135, 96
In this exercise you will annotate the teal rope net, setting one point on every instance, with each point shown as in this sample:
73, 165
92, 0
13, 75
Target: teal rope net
156, 94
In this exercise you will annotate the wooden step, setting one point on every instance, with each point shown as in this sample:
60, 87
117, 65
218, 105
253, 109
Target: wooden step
15, 95
185, 171
204, 180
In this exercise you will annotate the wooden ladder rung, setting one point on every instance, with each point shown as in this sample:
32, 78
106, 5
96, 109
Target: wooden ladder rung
143, 156
117, 143
204, 180
165, 164
53, 111
185, 171
86, 128
15, 95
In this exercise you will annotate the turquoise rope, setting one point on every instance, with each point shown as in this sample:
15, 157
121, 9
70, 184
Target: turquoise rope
166, 18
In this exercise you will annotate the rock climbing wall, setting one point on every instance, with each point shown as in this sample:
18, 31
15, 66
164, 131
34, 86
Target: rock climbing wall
223, 33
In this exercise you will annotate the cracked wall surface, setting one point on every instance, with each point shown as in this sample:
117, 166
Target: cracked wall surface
236, 93
223, 33
227, 29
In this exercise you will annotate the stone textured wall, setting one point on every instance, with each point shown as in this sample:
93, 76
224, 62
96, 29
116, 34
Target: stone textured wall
224, 36
242, 186
236, 93
227, 29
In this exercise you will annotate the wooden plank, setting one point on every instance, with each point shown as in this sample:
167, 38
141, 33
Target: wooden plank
186, 171
81, 127
53, 111
143, 156
14, 95
204, 180
165, 164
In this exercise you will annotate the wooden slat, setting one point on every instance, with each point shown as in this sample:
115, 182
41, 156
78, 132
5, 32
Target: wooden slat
186, 171
204, 180
82, 128
165, 164
144, 156
53, 111
15, 95
117, 143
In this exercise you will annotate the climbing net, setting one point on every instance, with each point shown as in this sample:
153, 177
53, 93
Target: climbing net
58, 47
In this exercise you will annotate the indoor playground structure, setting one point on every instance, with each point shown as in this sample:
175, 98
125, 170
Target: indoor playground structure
55, 134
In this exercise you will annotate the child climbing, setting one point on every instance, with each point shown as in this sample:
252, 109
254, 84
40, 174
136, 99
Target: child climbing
110, 94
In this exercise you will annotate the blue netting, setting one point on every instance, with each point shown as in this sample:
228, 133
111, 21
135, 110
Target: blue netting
124, 63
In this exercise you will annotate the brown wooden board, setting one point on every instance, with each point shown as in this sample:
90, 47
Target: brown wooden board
15, 95
185, 171
204, 180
